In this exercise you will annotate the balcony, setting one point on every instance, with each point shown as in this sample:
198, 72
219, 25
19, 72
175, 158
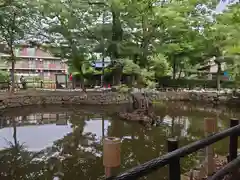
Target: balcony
50, 67
36, 64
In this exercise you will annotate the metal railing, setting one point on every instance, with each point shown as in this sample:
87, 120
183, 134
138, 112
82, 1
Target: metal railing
173, 157
50, 85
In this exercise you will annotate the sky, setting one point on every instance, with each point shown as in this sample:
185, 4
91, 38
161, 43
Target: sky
223, 3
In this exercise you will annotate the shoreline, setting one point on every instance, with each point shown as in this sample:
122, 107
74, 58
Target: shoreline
44, 97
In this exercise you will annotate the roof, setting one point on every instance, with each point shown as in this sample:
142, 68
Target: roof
98, 63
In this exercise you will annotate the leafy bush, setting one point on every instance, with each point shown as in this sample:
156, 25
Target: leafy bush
4, 76
151, 84
192, 83
122, 88
160, 65
130, 68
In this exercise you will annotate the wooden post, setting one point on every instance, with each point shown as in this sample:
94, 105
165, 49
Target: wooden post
233, 144
103, 127
210, 127
174, 165
111, 154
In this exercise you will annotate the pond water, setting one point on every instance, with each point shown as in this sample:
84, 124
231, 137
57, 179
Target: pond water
66, 143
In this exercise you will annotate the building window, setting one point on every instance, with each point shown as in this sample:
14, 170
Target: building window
32, 64
46, 63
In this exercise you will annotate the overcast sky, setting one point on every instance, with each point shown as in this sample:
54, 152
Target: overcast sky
223, 3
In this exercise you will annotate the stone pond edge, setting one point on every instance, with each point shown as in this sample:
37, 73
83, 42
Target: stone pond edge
42, 97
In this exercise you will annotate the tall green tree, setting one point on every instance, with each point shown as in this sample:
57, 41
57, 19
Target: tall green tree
134, 31
170, 28
16, 18
67, 27
220, 38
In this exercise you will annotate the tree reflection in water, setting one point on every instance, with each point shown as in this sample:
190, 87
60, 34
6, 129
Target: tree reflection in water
78, 155
16, 163
75, 156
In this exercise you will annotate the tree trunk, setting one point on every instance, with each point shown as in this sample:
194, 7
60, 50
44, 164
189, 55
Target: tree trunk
82, 79
10, 44
145, 42
12, 73
174, 68
180, 73
172, 127
117, 34
15, 135
219, 76
118, 75
132, 80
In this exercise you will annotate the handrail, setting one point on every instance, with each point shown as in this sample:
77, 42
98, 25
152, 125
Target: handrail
36, 84
159, 162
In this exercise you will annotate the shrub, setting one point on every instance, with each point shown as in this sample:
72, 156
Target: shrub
122, 88
192, 83
4, 76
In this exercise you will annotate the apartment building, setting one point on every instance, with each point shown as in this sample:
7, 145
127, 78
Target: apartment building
34, 62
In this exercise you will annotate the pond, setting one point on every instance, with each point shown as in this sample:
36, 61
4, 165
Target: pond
66, 142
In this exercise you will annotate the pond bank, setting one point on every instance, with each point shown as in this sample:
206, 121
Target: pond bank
197, 96
41, 97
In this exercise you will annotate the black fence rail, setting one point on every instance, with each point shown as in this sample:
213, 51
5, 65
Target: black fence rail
173, 157
5, 86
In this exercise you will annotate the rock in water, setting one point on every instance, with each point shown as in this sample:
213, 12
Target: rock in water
141, 110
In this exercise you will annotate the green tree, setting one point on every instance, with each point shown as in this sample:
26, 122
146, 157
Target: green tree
170, 28
68, 28
138, 31
4, 76
180, 33
15, 22
159, 65
221, 39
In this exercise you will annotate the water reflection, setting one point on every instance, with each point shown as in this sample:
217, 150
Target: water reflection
68, 145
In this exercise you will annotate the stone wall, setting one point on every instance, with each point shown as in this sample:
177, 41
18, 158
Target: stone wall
60, 97
40, 97
169, 96
207, 97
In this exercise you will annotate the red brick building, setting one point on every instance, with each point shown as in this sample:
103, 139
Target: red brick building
34, 61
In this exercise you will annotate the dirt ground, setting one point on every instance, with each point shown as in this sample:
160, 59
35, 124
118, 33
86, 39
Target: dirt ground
200, 174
